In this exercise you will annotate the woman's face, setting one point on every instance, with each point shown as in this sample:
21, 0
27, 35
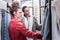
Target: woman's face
18, 14
26, 11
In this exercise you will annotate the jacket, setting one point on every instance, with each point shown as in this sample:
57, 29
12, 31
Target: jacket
35, 25
32, 24
17, 31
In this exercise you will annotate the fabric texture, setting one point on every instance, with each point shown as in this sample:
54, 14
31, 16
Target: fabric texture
17, 31
55, 31
31, 24
46, 31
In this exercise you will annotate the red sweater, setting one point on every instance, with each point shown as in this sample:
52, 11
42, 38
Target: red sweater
17, 31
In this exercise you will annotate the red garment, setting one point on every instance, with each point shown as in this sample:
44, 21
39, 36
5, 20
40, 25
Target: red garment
17, 31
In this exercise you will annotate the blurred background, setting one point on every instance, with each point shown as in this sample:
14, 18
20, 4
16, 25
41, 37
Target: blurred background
39, 9
36, 8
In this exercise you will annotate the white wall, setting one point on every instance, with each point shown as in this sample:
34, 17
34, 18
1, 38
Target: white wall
3, 5
36, 10
7, 0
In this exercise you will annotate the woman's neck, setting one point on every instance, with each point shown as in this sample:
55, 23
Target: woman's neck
18, 18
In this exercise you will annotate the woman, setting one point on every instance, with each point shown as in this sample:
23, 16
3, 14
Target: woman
17, 30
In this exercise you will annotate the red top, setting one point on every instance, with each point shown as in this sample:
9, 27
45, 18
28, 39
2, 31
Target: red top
17, 31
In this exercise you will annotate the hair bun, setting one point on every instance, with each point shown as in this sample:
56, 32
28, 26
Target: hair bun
15, 4
14, 7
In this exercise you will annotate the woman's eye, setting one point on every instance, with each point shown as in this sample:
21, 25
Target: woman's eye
20, 12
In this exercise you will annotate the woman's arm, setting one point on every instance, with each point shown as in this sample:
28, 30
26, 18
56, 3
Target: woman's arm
21, 28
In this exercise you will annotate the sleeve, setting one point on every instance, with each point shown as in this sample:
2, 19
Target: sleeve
38, 27
22, 29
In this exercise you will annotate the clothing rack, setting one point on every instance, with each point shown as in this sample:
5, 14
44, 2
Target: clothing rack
50, 17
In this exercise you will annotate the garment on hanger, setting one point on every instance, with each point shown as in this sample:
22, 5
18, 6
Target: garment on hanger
57, 6
55, 31
4, 25
46, 31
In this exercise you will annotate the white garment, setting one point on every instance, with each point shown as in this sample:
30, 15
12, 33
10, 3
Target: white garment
28, 23
55, 32
57, 6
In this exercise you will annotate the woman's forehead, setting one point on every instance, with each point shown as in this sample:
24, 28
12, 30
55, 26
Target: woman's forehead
20, 10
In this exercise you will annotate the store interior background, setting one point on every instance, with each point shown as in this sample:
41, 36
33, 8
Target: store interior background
36, 8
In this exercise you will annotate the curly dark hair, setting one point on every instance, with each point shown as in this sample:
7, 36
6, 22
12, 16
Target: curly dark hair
24, 8
14, 7
12, 10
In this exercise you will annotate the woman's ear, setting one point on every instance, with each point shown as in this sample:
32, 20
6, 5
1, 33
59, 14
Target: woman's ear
14, 13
